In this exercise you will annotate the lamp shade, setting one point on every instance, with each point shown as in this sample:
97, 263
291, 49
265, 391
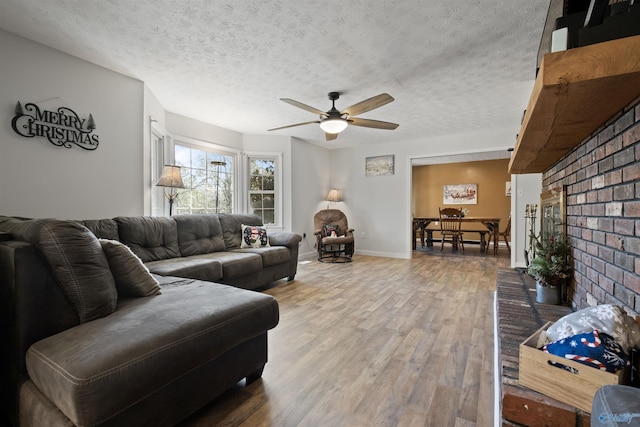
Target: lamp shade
336, 125
171, 177
334, 195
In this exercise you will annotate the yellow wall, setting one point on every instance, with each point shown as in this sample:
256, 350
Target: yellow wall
490, 175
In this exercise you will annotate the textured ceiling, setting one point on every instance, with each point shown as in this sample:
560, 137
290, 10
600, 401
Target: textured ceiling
452, 66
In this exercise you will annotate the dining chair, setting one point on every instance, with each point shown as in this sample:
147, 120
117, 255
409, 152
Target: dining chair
506, 235
450, 227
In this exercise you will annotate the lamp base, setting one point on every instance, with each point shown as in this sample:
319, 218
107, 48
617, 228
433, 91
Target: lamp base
171, 197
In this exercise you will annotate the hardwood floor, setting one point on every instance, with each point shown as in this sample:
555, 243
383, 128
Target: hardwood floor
379, 341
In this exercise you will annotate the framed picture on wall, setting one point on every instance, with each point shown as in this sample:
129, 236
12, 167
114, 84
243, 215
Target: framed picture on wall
460, 194
379, 165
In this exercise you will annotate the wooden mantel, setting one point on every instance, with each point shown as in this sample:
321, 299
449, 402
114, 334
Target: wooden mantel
576, 91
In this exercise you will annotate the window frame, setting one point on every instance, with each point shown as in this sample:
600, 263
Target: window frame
278, 204
216, 149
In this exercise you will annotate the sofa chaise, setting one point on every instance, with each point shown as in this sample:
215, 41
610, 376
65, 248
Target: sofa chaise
132, 320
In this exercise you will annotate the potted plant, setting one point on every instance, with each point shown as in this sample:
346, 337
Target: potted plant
550, 267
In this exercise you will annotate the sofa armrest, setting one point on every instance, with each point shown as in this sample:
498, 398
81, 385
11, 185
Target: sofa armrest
32, 307
284, 238
291, 241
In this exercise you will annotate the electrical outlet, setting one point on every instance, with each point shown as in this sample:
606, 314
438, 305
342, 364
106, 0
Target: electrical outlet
304, 235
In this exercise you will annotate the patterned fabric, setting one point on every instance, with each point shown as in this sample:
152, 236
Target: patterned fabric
331, 230
596, 349
607, 318
254, 237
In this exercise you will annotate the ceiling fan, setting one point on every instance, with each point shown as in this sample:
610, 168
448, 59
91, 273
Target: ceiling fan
333, 121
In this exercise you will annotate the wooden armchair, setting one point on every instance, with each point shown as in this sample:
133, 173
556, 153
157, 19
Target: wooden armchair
334, 238
450, 228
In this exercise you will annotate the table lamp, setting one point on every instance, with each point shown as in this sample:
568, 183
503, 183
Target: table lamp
333, 196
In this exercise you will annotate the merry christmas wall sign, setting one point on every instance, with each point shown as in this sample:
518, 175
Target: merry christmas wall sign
63, 127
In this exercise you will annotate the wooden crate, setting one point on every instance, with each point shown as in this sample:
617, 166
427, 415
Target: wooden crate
574, 386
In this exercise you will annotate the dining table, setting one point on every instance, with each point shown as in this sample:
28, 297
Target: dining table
492, 225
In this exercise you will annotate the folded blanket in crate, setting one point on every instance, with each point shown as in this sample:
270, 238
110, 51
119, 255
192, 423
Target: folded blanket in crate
594, 348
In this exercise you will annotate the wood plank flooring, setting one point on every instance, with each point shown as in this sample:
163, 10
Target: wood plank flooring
379, 341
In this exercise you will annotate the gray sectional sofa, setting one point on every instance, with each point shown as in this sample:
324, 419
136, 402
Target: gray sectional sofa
132, 320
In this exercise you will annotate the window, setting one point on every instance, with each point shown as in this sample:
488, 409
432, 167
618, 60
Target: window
264, 188
208, 178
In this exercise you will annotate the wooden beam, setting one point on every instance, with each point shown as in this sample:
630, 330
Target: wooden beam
576, 91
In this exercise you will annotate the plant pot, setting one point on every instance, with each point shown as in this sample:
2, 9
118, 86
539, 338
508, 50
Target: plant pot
548, 294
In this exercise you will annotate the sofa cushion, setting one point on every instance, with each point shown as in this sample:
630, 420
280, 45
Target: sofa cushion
76, 260
132, 277
232, 227
272, 255
199, 234
254, 236
235, 263
331, 230
102, 228
190, 267
95, 370
151, 238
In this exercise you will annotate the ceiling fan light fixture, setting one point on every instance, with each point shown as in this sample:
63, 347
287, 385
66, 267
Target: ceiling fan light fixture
334, 121
336, 125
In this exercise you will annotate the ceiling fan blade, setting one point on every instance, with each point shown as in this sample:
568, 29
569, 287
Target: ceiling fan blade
297, 124
368, 104
303, 106
331, 136
377, 124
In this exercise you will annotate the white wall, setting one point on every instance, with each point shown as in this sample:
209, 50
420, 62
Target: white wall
379, 207
38, 179
185, 126
311, 171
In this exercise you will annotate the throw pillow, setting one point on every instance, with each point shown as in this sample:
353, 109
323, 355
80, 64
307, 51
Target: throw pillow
132, 277
254, 236
595, 349
331, 230
607, 318
78, 264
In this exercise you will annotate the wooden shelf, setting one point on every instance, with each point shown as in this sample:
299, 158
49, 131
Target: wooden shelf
576, 91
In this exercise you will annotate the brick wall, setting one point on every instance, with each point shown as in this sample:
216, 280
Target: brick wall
602, 179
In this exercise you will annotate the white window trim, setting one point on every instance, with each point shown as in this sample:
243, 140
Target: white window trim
239, 172
277, 156
157, 131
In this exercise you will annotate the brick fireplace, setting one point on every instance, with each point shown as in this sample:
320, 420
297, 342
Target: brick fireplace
602, 181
